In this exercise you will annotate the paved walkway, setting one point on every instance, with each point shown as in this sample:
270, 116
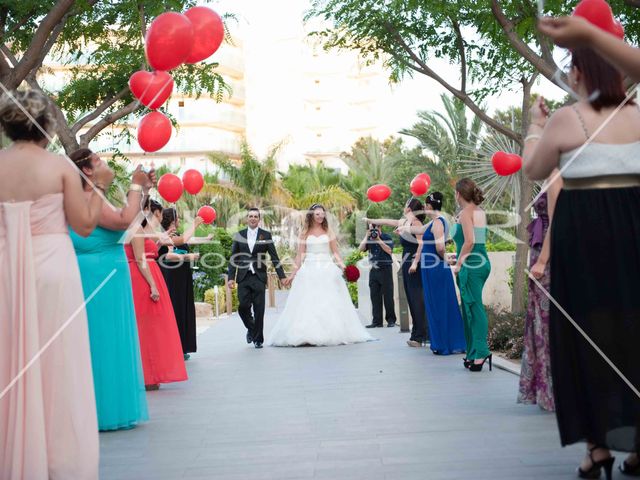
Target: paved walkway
371, 411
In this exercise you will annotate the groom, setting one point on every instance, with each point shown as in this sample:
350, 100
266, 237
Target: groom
248, 269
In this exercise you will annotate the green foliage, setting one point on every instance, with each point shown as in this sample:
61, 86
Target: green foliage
354, 257
501, 246
506, 332
210, 298
353, 292
213, 261
373, 160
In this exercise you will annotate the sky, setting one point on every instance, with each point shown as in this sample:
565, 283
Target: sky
412, 94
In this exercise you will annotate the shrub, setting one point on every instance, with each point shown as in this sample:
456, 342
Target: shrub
209, 271
506, 332
210, 298
354, 257
353, 292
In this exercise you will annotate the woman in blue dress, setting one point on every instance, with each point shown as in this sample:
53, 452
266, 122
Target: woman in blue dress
443, 313
113, 333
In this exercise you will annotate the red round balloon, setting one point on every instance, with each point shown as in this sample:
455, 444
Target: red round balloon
378, 193
151, 88
168, 41
505, 164
192, 181
207, 213
170, 187
599, 13
424, 176
154, 131
208, 33
418, 186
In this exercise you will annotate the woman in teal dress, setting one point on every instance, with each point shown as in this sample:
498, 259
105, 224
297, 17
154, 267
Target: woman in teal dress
472, 269
113, 333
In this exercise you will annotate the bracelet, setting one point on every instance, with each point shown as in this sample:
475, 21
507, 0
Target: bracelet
532, 137
134, 187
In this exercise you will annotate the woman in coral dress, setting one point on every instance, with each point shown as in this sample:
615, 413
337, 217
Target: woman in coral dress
160, 347
48, 427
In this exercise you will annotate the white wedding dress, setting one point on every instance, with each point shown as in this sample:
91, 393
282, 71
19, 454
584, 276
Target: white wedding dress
319, 310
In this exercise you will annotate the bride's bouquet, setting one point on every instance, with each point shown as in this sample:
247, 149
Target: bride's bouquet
351, 273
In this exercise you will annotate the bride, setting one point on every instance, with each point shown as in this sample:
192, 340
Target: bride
319, 309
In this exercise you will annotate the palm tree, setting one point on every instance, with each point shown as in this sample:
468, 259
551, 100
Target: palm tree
373, 160
309, 184
450, 136
252, 181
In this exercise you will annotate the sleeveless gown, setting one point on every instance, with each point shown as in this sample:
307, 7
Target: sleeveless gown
595, 260
48, 426
162, 357
413, 289
471, 279
179, 280
535, 374
319, 310
113, 334
440, 299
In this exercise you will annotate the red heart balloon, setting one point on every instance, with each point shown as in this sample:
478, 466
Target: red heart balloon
506, 164
208, 33
192, 181
378, 193
168, 41
154, 131
152, 89
599, 13
170, 187
207, 213
418, 186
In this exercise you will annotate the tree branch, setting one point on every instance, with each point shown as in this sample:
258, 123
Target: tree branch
463, 56
63, 131
539, 63
17, 26
57, 15
99, 110
426, 70
106, 121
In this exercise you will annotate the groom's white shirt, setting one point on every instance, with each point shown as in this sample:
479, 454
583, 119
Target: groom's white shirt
252, 236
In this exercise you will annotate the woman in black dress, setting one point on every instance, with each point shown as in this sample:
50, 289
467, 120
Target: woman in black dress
414, 216
175, 263
595, 259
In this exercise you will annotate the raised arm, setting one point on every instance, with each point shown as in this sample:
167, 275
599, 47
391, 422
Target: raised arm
541, 152
137, 244
383, 221
575, 31
186, 236
83, 216
122, 218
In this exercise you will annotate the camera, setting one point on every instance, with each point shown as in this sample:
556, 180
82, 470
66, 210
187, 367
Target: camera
373, 233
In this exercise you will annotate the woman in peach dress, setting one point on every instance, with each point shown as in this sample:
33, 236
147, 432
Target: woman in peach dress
48, 426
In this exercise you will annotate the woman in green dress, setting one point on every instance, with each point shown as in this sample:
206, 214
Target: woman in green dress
472, 269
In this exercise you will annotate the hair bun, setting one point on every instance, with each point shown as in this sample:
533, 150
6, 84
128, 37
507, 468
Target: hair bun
25, 113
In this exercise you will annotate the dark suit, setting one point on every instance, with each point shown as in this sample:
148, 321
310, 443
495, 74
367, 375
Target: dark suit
251, 286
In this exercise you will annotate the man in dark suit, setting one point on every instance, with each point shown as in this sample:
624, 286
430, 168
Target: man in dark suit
248, 269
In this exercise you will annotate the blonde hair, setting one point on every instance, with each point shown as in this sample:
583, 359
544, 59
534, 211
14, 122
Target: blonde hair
25, 113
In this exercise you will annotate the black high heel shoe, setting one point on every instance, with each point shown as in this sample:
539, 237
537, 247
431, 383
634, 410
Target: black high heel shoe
594, 471
477, 367
466, 362
630, 470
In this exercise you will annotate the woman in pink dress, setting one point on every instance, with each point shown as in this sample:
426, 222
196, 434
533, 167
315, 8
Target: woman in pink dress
160, 346
48, 424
